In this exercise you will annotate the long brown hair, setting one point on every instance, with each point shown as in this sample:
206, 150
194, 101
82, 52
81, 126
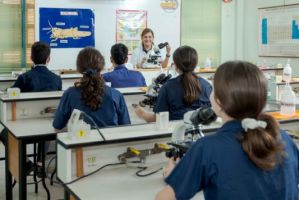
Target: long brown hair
185, 59
90, 63
147, 30
241, 89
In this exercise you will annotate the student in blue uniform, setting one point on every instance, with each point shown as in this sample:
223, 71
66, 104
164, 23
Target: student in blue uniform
121, 77
39, 78
105, 105
249, 157
181, 94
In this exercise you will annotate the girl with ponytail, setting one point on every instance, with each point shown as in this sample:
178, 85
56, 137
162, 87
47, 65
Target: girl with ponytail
183, 93
249, 157
105, 105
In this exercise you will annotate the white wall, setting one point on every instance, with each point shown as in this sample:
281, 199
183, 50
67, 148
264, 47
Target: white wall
165, 24
240, 32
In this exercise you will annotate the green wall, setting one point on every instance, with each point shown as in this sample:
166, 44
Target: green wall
10, 37
201, 28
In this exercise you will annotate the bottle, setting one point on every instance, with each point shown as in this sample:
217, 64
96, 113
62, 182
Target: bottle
271, 92
208, 63
288, 101
287, 72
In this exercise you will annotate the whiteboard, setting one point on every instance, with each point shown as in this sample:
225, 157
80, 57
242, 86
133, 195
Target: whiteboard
279, 31
165, 24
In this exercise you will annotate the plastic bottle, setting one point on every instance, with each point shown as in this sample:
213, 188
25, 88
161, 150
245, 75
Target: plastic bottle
287, 72
288, 101
208, 63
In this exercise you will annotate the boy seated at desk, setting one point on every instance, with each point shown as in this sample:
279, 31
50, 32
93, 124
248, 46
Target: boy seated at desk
38, 79
121, 77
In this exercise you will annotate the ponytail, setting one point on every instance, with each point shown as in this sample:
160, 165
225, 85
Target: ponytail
185, 58
93, 89
90, 63
191, 87
263, 145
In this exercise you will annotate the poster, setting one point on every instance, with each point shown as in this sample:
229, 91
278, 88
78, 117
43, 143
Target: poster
129, 25
67, 28
279, 31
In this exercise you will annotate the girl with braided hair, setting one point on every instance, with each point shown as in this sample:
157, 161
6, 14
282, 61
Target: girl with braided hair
105, 105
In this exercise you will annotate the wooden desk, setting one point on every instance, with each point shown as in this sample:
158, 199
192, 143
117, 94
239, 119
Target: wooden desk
21, 133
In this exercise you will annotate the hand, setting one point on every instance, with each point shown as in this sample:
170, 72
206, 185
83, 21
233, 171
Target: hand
168, 49
170, 166
139, 111
141, 63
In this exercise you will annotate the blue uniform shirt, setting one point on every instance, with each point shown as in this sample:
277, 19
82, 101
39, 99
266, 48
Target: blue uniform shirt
112, 111
218, 165
38, 79
171, 94
121, 77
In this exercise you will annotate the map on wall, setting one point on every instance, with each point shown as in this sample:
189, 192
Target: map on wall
129, 25
67, 28
279, 31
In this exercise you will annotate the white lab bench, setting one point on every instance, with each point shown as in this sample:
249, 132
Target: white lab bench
77, 158
33, 104
6, 81
116, 182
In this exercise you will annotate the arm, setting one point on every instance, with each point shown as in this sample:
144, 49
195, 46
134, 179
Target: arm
20, 82
143, 114
122, 112
206, 90
63, 113
140, 64
190, 175
166, 60
166, 194
135, 59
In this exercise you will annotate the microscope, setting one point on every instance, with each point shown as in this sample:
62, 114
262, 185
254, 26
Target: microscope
153, 91
193, 131
154, 58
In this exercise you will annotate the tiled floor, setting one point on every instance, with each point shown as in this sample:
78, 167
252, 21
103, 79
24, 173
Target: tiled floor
56, 190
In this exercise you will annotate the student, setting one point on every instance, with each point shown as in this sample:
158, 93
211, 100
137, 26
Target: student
105, 105
121, 77
141, 54
181, 94
249, 157
39, 78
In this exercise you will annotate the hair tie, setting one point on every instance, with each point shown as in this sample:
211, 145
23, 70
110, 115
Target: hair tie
250, 123
90, 72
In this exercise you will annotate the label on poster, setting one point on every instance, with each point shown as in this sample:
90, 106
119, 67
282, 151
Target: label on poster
67, 28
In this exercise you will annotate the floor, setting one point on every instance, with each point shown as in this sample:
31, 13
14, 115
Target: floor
56, 190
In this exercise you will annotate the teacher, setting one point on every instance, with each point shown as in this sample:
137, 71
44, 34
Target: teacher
141, 55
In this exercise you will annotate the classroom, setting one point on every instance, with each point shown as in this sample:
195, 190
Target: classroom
149, 99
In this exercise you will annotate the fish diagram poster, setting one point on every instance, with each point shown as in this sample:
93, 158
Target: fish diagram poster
67, 28
129, 25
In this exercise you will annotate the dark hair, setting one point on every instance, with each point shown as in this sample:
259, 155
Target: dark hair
185, 59
90, 63
40, 52
147, 30
119, 53
241, 89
